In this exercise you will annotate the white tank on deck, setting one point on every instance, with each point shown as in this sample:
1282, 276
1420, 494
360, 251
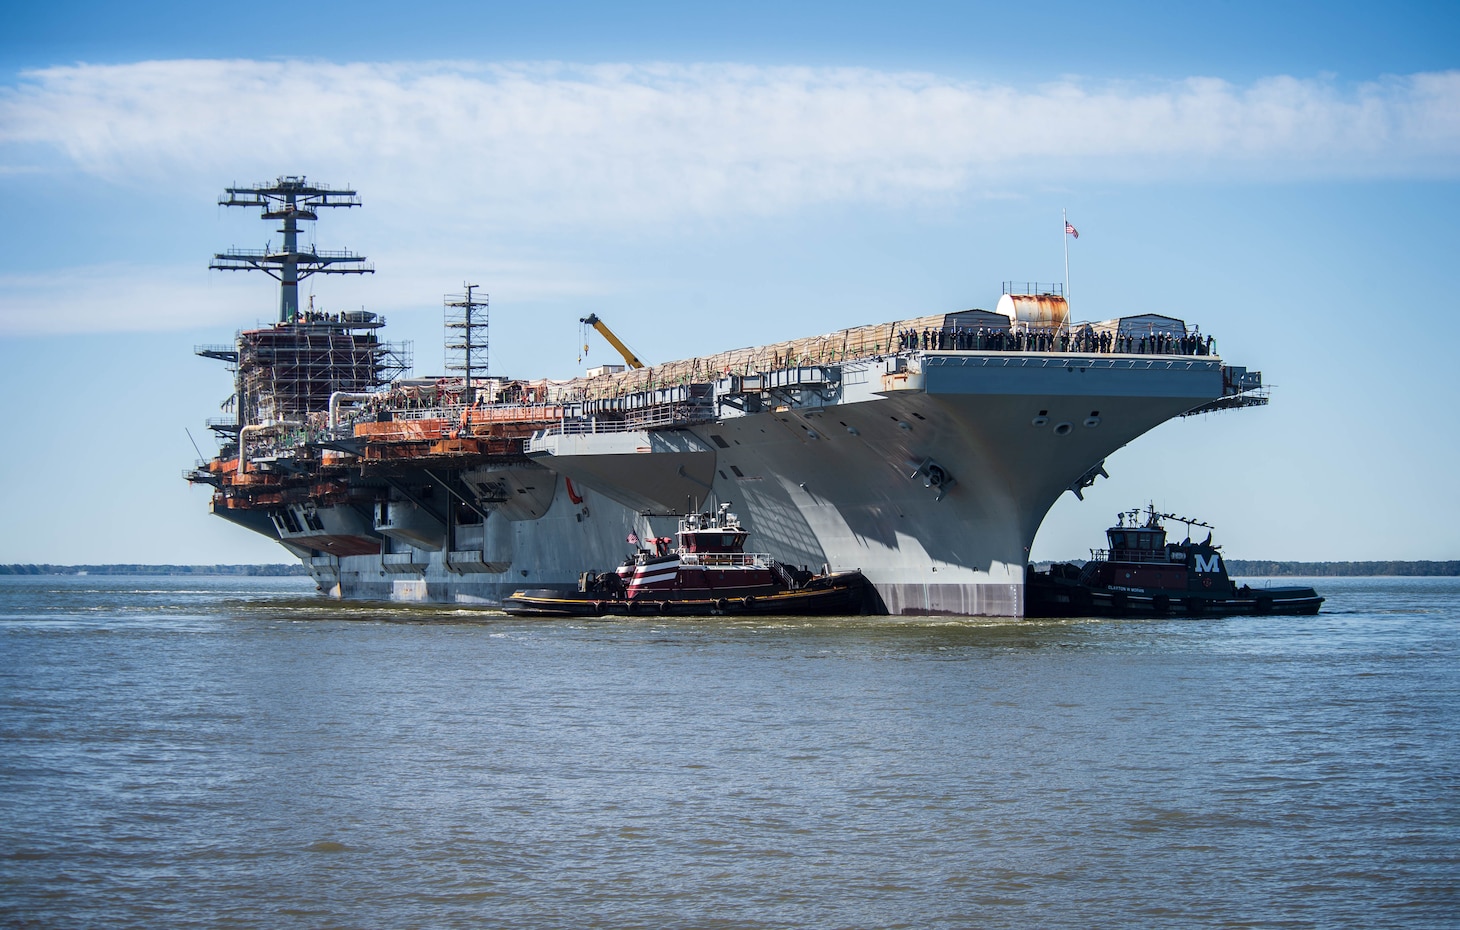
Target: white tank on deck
1038, 310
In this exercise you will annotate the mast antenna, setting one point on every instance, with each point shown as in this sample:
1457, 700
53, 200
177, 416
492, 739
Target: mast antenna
466, 336
290, 199
1068, 232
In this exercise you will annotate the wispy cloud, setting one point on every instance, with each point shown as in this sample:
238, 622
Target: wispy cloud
112, 297
116, 297
470, 159
553, 143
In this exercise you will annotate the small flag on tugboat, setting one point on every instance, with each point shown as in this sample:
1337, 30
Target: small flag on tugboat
1070, 230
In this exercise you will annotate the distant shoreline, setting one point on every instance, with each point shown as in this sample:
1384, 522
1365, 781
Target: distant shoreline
277, 569
1237, 567
1259, 568
1344, 569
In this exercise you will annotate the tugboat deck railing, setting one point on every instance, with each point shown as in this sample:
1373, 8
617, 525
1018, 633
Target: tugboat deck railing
1153, 557
726, 559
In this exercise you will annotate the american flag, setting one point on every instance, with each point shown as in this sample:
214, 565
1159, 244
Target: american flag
1071, 230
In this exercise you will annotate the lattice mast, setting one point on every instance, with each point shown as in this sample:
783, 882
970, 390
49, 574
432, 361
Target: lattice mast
290, 199
287, 372
466, 337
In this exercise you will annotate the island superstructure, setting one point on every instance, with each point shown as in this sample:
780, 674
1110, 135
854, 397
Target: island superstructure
923, 452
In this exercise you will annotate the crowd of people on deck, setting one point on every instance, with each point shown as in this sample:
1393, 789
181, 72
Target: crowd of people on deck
1085, 339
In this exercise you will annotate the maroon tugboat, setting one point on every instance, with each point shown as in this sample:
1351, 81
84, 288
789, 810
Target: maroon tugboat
1143, 573
708, 573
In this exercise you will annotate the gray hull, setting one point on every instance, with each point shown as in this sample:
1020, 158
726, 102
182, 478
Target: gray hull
923, 452
930, 474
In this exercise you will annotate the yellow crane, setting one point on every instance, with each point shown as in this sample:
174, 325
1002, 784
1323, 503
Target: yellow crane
630, 358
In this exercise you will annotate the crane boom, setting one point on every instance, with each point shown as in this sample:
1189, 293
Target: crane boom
630, 358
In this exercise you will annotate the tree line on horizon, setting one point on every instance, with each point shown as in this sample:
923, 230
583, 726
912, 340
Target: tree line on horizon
277, 568
1262, 567
1244, 567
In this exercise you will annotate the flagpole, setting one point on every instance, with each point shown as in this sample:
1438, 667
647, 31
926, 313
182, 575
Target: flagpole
1065, 236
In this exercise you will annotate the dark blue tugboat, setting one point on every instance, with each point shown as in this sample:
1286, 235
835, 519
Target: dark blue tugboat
1142, 573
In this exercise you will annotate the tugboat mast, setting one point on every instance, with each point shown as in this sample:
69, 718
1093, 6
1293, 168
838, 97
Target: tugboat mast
291, 199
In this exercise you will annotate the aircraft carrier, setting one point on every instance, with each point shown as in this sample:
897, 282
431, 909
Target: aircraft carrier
923, 452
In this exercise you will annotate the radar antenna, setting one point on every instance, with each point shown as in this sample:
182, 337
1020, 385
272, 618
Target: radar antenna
290, 199
1153, 519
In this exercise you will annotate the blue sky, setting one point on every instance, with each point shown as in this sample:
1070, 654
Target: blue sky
1283, 174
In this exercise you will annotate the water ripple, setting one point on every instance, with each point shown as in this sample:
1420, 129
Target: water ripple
236, 753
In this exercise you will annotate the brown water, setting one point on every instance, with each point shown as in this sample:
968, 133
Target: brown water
184, 752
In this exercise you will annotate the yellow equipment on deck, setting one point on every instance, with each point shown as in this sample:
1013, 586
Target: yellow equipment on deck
630, 358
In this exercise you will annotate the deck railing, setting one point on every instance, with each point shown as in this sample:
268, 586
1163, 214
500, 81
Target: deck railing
721, 559
1152, 557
